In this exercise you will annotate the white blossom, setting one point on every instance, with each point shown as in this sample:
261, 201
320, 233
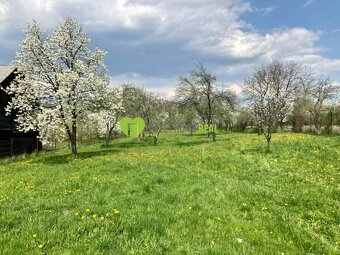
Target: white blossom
59, 81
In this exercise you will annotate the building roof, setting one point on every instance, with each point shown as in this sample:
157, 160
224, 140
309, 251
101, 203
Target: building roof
5, 71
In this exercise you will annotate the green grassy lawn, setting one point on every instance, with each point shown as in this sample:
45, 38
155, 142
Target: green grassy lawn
187, 195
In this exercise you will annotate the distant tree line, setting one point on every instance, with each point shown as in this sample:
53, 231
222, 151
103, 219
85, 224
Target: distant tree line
62, 90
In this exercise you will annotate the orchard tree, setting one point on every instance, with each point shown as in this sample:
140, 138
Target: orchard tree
320, 89
104, 122
300, 115
158, 119
243, 120
59, 80
111, 112
137, 102
190, 120
200, 91
270, 93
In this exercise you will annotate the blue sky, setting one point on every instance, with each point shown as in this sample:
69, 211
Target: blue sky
151, 42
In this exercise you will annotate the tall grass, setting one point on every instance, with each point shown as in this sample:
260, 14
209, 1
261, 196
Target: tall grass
187, 195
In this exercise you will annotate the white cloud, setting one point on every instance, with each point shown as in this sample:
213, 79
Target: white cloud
211, 28
307, 2
162, 86
265, 10
208, 29
237, 88
336, 30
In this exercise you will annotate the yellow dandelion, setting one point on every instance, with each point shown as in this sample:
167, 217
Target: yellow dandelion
115, 211
40, 246
34, 235
87, 210
102, 218
78, 190
83, 217
76, 214
94, 216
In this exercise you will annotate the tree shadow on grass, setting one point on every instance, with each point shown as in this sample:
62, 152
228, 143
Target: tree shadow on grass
190, 143
129, 144
54, 159
255, 150
148, 142
194, 135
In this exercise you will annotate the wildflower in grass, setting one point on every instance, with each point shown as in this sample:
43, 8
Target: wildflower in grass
83, 217
102, 218
239, 240
116, 211
76, 214
94, 216
40, 246
78, 190
34, 235
87, 210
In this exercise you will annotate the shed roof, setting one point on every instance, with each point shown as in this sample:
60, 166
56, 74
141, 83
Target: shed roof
5, 71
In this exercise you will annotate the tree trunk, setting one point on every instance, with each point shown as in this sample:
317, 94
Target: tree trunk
74, 145
281, 126
317, 122
74, 138
331, 121
108, 139
317, 128
209, 126
268, 143
214, 136
108, 135
155, 137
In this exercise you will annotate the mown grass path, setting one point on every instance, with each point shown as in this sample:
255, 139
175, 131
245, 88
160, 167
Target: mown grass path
187, 195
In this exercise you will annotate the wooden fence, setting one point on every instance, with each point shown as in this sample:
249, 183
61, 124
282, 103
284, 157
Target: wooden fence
16, 145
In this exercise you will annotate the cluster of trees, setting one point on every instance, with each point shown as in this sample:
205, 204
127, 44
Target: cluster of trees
62, 90
281, 90
199, 93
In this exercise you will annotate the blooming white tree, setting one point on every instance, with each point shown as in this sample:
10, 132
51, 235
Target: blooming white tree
111, 114
106, 119
59, 80
270, 93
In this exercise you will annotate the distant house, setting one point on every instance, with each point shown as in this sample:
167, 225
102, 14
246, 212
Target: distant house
12, 141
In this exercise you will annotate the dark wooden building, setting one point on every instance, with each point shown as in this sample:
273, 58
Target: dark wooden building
12, 141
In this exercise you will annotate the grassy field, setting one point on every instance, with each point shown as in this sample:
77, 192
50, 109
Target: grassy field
187, 195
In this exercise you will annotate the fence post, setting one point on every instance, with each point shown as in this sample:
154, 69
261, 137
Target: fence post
37, 140
12, 146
